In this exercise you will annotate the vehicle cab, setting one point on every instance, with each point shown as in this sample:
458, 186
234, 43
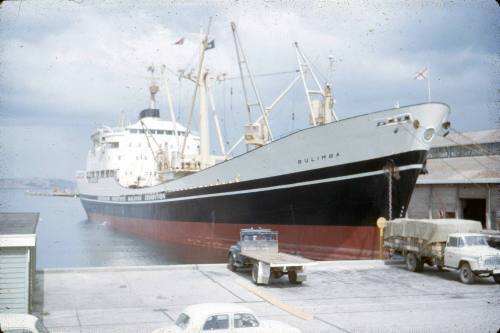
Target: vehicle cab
252, 240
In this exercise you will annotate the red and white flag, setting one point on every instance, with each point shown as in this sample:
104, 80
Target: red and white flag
421, 74
180, 41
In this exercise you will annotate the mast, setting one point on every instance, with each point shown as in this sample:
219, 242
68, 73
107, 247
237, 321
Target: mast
202, 82
204, 132
263, 134
197, 85
320, 111
171, 109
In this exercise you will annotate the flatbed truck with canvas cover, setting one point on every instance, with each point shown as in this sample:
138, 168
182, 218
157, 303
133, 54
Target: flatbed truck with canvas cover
451, 243
258, 249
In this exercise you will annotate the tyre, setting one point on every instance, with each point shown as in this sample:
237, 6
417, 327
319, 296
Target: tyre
466, 275
230, 263
420, 265
255, 272
413, 263
496, 277
292, 277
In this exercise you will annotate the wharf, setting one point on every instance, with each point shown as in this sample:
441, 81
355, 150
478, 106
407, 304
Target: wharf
339, 296
52, 194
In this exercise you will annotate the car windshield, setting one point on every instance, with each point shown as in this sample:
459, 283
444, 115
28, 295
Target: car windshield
475, 240
182, 321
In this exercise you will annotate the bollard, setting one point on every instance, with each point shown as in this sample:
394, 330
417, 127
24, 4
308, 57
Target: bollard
381, 224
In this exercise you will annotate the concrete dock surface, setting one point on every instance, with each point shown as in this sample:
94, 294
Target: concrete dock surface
338, 296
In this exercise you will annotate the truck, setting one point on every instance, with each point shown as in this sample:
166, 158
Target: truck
445, 243
258, 249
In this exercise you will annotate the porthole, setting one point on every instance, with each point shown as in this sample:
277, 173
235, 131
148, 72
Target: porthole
429, 134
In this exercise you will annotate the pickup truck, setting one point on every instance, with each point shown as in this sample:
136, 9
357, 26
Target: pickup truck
451, 243
258, 249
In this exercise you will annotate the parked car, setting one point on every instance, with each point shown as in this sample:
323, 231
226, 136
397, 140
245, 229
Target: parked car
224, 318
21, 323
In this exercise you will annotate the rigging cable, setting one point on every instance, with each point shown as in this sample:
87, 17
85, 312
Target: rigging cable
473, 157
179, 102
487, 153
264, 74
463, 175
224, 113
443, 160
231, 103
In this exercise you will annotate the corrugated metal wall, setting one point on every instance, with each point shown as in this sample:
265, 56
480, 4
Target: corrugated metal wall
14, 279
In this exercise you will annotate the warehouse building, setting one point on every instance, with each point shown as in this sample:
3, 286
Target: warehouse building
17, 261
463, 179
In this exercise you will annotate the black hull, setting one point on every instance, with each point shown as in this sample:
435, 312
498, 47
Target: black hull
321, 219
355, 201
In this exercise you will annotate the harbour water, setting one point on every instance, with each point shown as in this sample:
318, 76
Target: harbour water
65, 238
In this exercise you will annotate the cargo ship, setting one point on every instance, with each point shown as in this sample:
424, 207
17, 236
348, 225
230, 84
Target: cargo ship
322, 187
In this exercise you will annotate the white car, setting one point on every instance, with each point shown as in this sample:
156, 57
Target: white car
21, 323
224, 318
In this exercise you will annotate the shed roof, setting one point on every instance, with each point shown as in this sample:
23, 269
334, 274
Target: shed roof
18, 223
467, 138
462, 170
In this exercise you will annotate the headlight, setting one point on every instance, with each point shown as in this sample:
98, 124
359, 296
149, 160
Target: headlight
429, 134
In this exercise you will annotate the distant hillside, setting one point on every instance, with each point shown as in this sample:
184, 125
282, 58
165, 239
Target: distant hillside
37, 183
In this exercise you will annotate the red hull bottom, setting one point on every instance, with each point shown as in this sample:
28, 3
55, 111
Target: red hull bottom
322, 242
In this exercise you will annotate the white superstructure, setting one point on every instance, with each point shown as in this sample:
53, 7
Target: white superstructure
141, 154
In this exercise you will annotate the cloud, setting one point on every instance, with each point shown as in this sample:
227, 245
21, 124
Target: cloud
94, 63
86, 63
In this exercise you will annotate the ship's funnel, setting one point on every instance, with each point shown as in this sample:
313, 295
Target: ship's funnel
152, 111
153, 89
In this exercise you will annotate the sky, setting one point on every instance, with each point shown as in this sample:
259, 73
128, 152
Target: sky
67, 67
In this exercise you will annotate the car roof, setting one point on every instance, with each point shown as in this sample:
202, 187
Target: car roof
11, 320
206, 309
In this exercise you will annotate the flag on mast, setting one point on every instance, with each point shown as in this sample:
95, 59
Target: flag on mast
210, 45
180, 41
424, 74
421, 74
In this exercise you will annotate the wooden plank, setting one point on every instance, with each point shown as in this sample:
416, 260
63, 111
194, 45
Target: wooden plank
12, 298
11, 276
10, 258
11, 265
279, 259
12, 270
4, 285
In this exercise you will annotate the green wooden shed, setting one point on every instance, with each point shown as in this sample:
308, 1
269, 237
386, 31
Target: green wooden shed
17, 261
